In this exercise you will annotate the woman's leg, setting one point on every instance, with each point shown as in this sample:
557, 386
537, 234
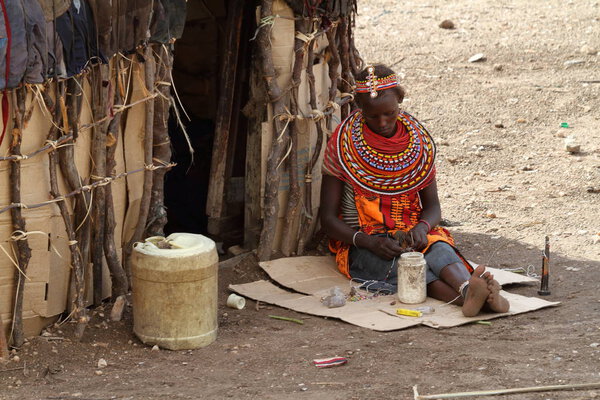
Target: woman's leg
447, 288
454, 282
379, 274
440, 290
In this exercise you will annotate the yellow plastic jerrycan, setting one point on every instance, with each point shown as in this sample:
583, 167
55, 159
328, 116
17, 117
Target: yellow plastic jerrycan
175, 291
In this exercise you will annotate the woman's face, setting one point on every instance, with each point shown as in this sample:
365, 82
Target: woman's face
381, 112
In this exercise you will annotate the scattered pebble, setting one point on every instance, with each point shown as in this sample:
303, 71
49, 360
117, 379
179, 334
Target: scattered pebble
102, 363
571, 145
117, 311
573, 62
155, 348
589, 50
447, 24
594, 344
490, 215
16, 359
477, 58
498, 67
573, 148
521, 120
499, 124
98, 372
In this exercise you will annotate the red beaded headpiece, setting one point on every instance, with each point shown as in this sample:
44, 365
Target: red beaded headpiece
373, 83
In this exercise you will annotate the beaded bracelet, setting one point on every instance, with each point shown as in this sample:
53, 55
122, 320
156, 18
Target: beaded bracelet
426, 223
354, 238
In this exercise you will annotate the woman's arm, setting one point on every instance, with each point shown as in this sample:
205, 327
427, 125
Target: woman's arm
432, 214
335, 228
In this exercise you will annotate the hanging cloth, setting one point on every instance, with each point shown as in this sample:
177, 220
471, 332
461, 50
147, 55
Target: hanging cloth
77, 32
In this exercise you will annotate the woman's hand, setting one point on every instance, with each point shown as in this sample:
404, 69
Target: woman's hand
419, 236
382, 246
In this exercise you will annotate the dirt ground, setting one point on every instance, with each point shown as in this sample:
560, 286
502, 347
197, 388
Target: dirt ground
505, 182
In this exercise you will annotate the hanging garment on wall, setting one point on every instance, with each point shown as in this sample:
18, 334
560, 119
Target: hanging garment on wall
37, 50
168, 20
122, 24
132, 22
103, 11
56, 59
13, 44
54, 8
77, 32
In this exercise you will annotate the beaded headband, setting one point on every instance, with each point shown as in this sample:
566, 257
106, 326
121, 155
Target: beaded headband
373, 83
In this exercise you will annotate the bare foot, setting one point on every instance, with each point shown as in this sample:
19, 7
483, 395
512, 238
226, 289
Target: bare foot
495, 301
477, 293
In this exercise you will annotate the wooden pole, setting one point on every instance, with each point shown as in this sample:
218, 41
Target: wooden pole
347, 79
333, 67
70, 105
120, 284
255, 110
289, 237
334, 78
98, 173
22, 246
356, 62
4, 354
149, 74
505, 391
271, 201
215, 202
157, 216
79, 309
307, 220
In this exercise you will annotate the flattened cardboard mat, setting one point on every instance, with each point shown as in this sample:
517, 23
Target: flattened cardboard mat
311, 278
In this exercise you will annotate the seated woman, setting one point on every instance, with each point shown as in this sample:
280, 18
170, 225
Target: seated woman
379, 198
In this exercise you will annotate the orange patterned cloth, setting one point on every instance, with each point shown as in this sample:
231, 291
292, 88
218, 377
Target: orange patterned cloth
400, 166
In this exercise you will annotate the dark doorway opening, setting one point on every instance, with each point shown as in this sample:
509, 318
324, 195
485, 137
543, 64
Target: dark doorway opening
198, 76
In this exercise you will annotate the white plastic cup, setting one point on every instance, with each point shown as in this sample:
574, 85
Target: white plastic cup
236, 302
